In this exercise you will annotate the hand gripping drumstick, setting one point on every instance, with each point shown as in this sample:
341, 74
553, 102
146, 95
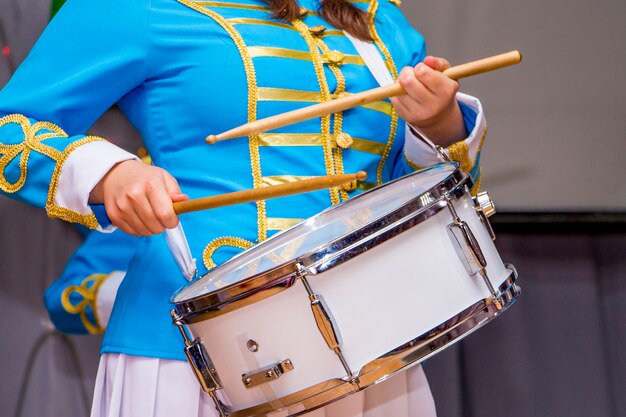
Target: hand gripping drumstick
359, 99
256, 194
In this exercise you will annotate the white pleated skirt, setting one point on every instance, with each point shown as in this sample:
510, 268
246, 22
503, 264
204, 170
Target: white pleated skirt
136, 386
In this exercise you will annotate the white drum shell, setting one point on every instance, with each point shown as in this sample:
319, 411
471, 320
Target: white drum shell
380, 300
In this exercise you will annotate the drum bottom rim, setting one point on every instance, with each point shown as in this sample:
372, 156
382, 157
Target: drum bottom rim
397, 360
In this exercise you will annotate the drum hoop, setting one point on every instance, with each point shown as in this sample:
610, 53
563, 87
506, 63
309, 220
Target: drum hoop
265, 284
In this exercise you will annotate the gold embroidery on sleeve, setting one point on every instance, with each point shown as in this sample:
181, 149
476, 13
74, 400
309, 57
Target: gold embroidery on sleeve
33, 139
34, 136
88, 290
56, 212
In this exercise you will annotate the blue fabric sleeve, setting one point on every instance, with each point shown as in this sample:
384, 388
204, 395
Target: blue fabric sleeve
88, 57
70, 299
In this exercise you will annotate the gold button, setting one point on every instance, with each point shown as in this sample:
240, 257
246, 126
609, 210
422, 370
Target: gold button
344, 140
303, 11
334, 57
317, 30
349, 186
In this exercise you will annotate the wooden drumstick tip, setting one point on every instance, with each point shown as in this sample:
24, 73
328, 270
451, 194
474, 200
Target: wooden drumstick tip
361, 175
211, 139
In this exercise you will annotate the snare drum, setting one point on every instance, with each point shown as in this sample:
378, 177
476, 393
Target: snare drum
347, 298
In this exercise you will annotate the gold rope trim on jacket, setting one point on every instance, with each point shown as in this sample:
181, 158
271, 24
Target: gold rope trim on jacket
32, 142
56, 212
325, 95
338, 117
411, 163
391, 66
255, 157
88, 290
215, 244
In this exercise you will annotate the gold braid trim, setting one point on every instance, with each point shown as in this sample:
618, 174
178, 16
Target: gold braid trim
32, 142
88, 289
325, 95
459, 151
56, 212
411, 163
255, 157
214, 245
373, 8
338, 119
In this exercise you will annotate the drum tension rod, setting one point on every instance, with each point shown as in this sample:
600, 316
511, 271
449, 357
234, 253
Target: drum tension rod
201, 365
326, 324
468, 249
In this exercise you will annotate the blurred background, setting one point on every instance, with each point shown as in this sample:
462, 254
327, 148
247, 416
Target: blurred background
553, 163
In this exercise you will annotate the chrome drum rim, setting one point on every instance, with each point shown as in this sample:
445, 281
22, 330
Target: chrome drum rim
263, 285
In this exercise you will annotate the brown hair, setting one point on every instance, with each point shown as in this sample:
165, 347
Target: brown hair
340, 13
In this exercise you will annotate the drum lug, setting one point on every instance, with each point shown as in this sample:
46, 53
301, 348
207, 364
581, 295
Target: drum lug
468, 249
202, 366
198, 358
327, 326
267, 374
485, 208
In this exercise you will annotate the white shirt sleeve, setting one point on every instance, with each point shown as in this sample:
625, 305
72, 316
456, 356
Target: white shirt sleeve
105, 297
82, 171
422, 153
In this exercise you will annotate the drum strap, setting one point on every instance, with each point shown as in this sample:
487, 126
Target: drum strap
375, 63
373, 59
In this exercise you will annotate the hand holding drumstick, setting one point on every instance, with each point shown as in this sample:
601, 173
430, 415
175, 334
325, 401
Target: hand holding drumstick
430, 101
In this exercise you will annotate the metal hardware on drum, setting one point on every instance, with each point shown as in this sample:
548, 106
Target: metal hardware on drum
468, 249
443, 154
252, 345
201, 365
485, 208
326, 324
267, 374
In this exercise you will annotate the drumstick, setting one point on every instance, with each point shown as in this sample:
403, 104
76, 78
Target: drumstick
360, 99
273, 191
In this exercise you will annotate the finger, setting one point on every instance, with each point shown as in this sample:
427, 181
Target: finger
436, 63
179, 197
132, 217
161, 204
414, 87
171, 184
118, 220
435, 82
146, 211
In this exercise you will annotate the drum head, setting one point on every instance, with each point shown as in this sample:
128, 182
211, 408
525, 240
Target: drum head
316, 232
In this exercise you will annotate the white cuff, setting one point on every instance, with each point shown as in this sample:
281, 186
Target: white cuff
423, 153
105, 298
82, 171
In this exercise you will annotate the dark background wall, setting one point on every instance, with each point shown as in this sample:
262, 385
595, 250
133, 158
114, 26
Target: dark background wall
556, 140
